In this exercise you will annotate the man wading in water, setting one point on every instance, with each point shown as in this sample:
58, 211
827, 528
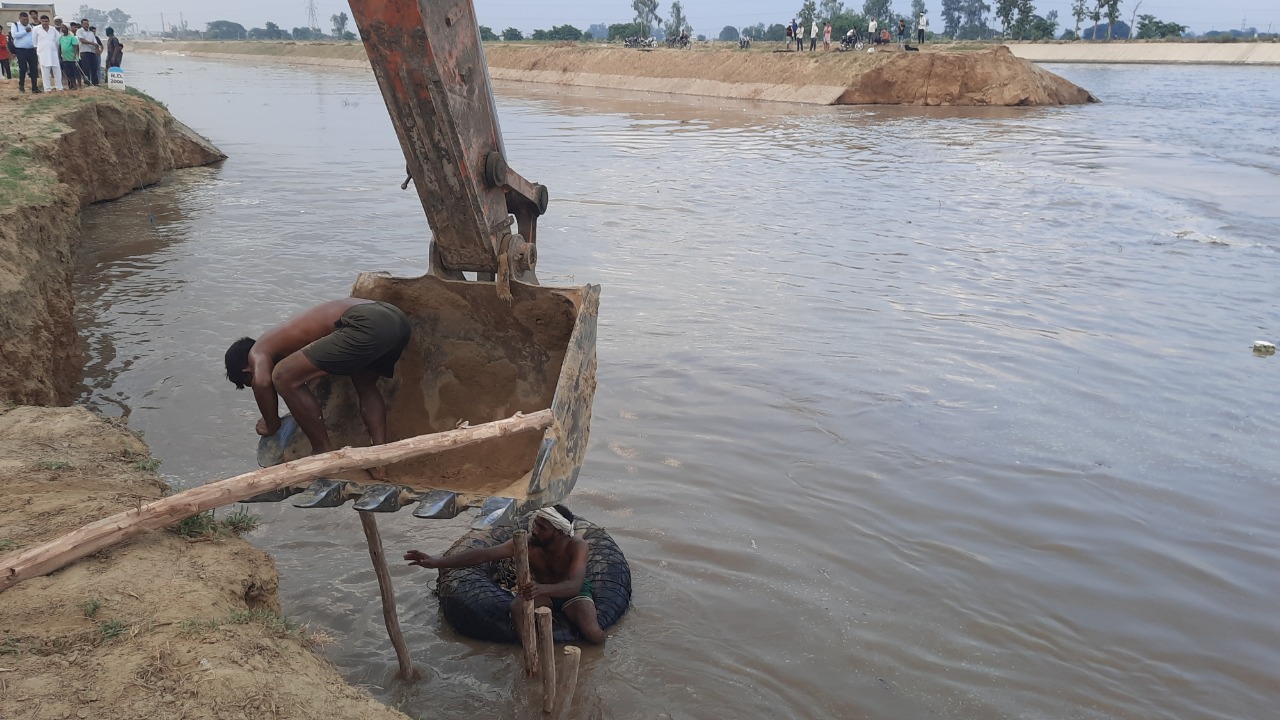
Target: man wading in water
361, 339
557, 562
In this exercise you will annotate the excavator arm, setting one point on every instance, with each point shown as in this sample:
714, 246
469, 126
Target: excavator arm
429, 62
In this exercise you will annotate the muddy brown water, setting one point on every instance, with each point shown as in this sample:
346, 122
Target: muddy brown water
901, 413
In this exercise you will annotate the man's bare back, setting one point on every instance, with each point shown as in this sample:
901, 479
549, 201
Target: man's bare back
332, 338
299, 331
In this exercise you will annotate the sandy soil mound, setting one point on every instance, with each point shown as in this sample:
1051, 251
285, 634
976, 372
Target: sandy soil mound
53, 152
160, 627
988, 77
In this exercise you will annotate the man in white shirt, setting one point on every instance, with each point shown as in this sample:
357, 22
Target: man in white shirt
25, 45
921, 27
50, 55
88, 52
872, 27
813, 36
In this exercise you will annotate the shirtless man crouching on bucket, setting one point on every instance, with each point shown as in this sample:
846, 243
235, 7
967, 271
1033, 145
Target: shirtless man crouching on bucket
361, 339
557, 562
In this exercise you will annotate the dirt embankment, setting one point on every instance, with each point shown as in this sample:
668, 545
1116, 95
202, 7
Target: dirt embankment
888, 76
160, 627
58, 153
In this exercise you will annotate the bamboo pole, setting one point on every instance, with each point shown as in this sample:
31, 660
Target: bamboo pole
129, 524
546, 654
528, 633
568, 682
370, 525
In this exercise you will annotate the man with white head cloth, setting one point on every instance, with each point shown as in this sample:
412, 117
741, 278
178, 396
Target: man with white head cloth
557, 563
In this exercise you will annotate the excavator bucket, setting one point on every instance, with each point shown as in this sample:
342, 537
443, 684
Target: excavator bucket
472, 358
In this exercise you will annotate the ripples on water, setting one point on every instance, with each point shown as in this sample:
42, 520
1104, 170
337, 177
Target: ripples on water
901, 413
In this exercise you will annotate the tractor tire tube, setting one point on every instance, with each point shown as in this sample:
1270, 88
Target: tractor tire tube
476, 604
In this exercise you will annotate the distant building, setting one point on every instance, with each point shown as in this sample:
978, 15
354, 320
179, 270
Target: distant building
9, 11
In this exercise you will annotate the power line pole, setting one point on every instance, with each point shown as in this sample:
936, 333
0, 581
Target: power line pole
313, 15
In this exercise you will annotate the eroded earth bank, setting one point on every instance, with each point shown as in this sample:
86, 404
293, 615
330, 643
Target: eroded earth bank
165, 626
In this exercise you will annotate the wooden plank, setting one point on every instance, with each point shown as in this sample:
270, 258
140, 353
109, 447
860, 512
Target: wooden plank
164, 512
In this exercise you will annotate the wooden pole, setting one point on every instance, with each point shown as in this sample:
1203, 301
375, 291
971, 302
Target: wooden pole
129, 524
568, 682
528, 632
547, 656
374, 538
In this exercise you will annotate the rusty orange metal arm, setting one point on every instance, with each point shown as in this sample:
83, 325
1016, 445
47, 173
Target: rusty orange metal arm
429, 62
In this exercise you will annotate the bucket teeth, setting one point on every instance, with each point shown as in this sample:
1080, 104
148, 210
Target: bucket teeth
495, 511
275, 495
271, 448
325, 493
383, 498
438, 505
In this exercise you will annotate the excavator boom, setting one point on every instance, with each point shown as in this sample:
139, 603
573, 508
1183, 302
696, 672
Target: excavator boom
429, 62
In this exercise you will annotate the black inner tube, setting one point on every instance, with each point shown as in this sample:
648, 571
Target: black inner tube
476, 602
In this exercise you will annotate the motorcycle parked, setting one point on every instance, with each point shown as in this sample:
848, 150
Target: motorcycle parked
851, 41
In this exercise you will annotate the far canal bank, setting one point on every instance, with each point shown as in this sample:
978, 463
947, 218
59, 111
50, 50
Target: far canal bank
942, 76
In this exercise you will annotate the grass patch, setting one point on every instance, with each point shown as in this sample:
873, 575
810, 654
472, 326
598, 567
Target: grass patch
6, 545
206, 527
21, 183
241, 521
273, 622
197, 526
138, 93
10, 647
109, 630
198, 627
91, 607
54, 465
148, 465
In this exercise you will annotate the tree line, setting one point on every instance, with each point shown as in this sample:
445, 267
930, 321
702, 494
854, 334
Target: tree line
960, 20
102, 19
228, 30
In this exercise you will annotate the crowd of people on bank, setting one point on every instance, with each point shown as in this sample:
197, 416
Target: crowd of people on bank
875, 34
70, 54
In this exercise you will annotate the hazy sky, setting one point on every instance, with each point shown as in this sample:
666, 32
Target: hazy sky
707, 16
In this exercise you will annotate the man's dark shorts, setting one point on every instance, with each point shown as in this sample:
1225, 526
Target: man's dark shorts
368, 336
586, 592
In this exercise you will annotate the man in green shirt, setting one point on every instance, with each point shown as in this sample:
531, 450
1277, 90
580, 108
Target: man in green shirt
70, 54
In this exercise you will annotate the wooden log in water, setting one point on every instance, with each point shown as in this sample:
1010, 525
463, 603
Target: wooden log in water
528, 632
374, 538
547, 658
568, 682
95, 536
